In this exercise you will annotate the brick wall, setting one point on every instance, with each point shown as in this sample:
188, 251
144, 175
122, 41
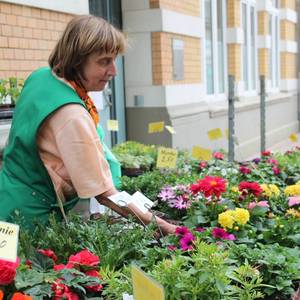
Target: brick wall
291, 4
263, 22
287, 30
234, 60
27, 36
288, 63
233, 13
263, 58
189, 7
162, 60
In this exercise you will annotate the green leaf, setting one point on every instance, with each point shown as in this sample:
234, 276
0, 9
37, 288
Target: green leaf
28, 278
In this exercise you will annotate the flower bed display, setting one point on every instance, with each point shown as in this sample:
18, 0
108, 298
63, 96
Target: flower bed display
239, 238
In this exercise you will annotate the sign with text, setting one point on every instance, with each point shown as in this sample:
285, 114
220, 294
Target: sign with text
112, 125
170, 129
156, 127
201, 153
141, 202
215, 134
144, 287
166, 158
9, 234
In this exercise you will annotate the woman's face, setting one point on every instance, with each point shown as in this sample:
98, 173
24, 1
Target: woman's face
98, 70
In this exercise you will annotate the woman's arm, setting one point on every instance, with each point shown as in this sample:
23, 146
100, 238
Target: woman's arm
132, 210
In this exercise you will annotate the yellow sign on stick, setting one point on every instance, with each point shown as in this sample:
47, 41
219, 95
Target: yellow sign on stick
9, 234
215, 134
113, 125
294, 137
201, 153
156, 127
144, 287
166, 158
170, 129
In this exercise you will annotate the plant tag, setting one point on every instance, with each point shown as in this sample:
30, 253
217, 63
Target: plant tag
166, 158
113, 125
156, 127
294, 137
121, 198
9, 235
145, 287
215, 134
141, 202
201, 153
170, 129
127, 297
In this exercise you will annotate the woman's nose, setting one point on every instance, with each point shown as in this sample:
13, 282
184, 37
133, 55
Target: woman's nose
112, 71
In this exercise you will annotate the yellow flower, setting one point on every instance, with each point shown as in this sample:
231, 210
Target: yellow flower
225, 219
293, 212
235, 189
298, 183
274, 189
241, 216
292, 190
266, 190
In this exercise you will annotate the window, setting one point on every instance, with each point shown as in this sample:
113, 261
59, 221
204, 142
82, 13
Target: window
215, 51
274, 55
249, 48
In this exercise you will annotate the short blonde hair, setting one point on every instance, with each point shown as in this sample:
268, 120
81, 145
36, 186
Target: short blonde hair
84, 35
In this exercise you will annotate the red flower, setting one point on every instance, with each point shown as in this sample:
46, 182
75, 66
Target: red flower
266, 153
49, 253
209, 186
97, 287
276, 170
62, 266
245, 170
8, 271
218, 155
1, 294
20, 296
61, 291
220, 233
85, 258
247, 187
182, 230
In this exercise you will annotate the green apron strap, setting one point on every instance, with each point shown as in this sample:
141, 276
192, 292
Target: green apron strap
114, 165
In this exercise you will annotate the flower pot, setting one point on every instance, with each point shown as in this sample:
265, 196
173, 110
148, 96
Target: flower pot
6, 111
132, 172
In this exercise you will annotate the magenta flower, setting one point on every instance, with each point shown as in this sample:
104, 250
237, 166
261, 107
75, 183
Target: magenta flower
219, 233
172, 247
272, 161
182, 230
200, 229
276, 170
245, 170
256, 160
294, 201
187, 242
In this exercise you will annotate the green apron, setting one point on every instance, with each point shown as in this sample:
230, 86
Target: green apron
25, 184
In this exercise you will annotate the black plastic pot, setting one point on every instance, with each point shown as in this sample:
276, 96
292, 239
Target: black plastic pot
6, 111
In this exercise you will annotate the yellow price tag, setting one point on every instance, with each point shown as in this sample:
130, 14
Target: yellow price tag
113, 125
9, 234
156, 127
215, 134
144, 287
166, 158
170, 129
201, 153
294, 137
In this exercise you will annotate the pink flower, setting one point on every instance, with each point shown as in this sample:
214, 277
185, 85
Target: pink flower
276, 170
182, 230
97, 287
251, 205
294, 201
218, 155
181, 202
222, 234
200, 229
272, 161
245, 170
186, 242
85, 258
202, 164
62, 266
172, 247
8, 271
166, 193
49, 253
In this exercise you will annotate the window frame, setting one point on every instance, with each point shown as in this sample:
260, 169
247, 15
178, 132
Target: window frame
216, 95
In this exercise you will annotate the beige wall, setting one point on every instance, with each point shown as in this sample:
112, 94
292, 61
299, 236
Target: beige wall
188, 7
27, 36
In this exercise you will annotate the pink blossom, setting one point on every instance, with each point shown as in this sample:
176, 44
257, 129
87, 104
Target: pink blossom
251, 205
245, 170
172, 247
276, 170
200, 229
218, 155
186, 242
202, 164
272, 161
294, 201
222, 234
182, 230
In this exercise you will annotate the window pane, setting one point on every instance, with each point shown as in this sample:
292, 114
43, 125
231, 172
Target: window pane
253, 54
271, 52
277, 63
221, 57
209, 48
245, 47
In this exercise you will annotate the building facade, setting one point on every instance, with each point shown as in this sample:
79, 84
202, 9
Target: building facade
176, 68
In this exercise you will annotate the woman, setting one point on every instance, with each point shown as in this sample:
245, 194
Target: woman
54, 155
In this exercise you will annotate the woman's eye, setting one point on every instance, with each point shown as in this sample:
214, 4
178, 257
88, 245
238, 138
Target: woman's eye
104, 62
